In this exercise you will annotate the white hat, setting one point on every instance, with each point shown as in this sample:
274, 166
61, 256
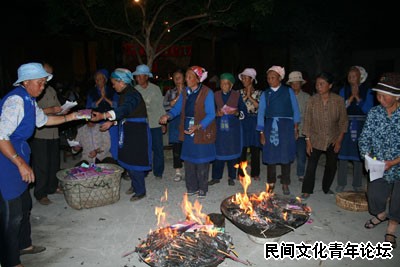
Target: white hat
296, 76
249, 72
278, 69
31, 71
363, 73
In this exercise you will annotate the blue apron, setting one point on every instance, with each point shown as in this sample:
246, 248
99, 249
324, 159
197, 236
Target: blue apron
229, 138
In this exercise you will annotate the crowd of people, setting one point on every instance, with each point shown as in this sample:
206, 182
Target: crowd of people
277, 125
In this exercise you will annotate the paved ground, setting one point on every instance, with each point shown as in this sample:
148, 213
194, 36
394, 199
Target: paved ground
100, 236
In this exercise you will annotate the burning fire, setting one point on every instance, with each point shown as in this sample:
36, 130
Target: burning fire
195, 240
193, 214
243, 200
248, 204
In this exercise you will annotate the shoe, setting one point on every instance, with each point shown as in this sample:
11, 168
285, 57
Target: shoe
59, 190
304, 196
339, 188
213, 181
391, 239
45, 201
370, 223
330, 192
256, 178
125, 176
178, 177
158, 177
191, 193
279, 176
201, 194
285, 189
137, 197
231, 182
33, 250
130, 191
301, 178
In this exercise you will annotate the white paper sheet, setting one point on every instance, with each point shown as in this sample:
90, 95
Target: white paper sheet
375, 167
72, 142
67, 106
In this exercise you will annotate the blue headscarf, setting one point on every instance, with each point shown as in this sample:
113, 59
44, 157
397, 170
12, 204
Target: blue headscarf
123, 75
104, 72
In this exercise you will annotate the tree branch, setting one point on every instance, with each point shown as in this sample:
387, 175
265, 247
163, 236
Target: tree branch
155, 17
199, 16
104, 29
181, 36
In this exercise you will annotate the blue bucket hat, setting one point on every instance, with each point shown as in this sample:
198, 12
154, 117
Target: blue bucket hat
31, 71
142, 69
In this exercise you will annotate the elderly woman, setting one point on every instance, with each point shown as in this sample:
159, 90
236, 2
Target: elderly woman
278, 119
380, 139
296, 82
230, 108
134, 150
20, 115
197, 130
251, 137
102, 98
359, 100
170, 99
325, 123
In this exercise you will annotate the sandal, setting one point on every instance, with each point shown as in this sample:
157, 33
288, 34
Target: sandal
370, 223
391, 239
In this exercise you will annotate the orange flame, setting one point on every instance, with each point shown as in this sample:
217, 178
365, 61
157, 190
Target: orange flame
165, 197
161, 215
243, 200
193, 213
285, 216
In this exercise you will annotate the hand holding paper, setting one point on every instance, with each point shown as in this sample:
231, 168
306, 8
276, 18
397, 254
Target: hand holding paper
228, 110
72, 143
67, 106
375, 167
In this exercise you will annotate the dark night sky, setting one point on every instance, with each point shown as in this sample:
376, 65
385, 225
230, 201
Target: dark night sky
373, 21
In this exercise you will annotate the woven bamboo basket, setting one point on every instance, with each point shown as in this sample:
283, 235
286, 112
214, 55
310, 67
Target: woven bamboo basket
93, 192
352, 201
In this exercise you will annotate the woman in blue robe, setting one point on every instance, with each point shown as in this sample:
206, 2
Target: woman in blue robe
230, 108
277, 121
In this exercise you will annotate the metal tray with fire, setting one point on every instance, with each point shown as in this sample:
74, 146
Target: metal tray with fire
265, 215
180, 245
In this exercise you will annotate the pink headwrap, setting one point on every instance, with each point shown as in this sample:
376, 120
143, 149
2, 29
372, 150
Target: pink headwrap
279, 70
200, 72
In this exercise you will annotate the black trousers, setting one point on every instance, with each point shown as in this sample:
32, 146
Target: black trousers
176, 154
45, 165
15, 228
196, 176
285, 170
379, 191
329, 173
254, 160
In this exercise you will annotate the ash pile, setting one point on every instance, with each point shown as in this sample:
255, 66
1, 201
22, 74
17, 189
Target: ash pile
187, 244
